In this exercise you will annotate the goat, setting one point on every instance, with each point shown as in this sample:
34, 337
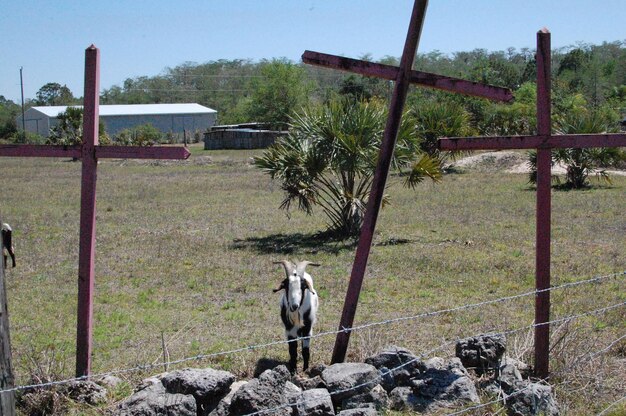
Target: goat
298, 309
7, 244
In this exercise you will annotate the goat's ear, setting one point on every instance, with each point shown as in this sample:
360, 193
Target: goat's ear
309, 285
281, 287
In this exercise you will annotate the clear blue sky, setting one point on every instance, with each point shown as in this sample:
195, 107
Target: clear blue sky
143, 37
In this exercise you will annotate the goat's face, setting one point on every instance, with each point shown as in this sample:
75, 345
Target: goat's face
295, 283
294, 291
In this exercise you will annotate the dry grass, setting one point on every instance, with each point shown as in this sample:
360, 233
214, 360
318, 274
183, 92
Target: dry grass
186, 250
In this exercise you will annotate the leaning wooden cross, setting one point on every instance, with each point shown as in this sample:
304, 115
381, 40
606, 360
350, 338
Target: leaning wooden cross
544, 141
89, 152
403, 76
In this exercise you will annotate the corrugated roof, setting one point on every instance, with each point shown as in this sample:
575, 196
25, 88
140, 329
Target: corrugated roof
134, 109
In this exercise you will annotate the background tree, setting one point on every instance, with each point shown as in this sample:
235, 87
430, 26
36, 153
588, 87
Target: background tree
329, 157
69, 129
8, 111
54, 93
277, 93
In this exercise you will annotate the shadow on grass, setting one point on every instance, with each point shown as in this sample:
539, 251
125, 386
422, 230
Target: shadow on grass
325, 242
295, 243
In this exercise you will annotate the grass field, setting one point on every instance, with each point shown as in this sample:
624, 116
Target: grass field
185, 252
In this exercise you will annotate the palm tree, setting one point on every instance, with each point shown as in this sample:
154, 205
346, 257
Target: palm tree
580, 163
329, 157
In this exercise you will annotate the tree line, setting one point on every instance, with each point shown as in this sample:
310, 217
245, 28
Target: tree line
271, 91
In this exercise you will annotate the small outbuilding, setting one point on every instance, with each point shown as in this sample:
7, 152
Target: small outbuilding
168, 118
240, 136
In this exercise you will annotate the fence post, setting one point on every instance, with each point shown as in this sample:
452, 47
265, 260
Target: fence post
7, 400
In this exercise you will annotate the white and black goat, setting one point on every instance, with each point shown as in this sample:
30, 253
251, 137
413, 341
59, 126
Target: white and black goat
298, 309
7, 243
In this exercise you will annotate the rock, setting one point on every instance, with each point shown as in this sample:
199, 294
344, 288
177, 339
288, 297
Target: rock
482, 353
314, 402
309, 383
199, 382
316, 370
532, 399
392, 357
207, 386
523, 368
508, 375
223, 406
443, 385
85, 391
358, 412
346, 376
154, 400
376, 398
265, 392
386, 379
109, 382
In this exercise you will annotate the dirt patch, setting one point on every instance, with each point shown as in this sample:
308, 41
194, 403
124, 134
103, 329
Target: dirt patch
508, 162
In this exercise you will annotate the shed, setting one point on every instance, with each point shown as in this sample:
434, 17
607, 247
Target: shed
168, 118
236, 137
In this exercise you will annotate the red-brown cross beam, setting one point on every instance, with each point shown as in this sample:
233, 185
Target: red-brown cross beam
543, 142
89, 152
403, 76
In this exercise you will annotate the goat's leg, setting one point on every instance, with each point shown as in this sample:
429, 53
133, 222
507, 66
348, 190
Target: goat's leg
306, 331
12, 254
293, 354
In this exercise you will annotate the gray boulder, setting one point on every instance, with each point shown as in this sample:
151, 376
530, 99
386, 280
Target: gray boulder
207, 386
268, 391
482, 353
376, 399
392, 357
223, 406
444, 384
85, 391
530, 399
154, 400
109, 382
309, 383
314, 402
342, 380
358, 412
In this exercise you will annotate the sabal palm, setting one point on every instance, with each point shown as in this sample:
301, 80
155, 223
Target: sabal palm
580, 163
329, 157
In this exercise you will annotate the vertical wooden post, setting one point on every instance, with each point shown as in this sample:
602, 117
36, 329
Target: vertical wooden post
544, 165
86, 254
7, 400
380, 178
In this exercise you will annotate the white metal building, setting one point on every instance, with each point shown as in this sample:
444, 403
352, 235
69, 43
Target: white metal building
174, 118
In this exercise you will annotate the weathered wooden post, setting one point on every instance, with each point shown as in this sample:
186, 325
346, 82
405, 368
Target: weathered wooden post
89, 151
7, 399
544, 141
403, 76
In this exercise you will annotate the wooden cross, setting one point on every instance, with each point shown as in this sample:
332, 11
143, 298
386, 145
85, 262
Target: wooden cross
544, 141
89, 152
403, 76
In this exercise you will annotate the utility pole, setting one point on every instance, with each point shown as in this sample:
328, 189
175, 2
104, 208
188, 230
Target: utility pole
23, 118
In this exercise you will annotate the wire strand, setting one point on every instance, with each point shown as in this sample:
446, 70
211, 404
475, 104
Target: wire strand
199, 357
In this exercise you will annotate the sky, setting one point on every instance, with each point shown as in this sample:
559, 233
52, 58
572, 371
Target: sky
144, 37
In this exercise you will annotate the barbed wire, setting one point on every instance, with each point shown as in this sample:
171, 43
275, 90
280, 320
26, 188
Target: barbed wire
199, 357
612, 405
441, 347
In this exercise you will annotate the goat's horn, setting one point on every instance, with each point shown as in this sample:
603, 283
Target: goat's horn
302, 265
289, 267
